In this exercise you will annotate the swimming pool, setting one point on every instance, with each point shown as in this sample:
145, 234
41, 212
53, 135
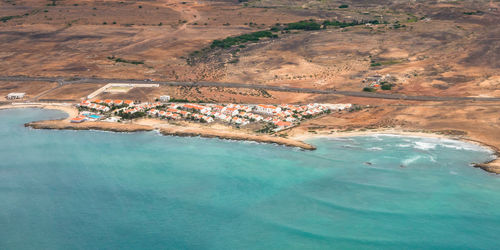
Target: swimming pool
94, 116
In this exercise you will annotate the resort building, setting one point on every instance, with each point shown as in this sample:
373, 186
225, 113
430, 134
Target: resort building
117, 102
267, 109
282, 117
164, 98
12, 96
79, 119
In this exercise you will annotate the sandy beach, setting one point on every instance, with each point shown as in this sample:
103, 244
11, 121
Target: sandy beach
492, 166
65, 107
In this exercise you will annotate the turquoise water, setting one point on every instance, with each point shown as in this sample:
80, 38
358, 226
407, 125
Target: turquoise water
94, 116
101, 190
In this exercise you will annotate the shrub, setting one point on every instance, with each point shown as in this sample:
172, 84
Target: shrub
369, 89
336, 23
236, 40
304, 25
343, 6
386, 86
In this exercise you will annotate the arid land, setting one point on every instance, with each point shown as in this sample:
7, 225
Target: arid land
429, 48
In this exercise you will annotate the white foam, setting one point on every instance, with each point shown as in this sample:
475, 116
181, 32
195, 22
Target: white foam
425, 145
432, 158
411, 160
461, 145
375, 149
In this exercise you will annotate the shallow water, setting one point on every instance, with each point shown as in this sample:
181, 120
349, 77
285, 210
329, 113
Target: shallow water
91, 189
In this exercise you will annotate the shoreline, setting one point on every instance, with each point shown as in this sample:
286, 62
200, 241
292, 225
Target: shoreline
492, 166
64, 124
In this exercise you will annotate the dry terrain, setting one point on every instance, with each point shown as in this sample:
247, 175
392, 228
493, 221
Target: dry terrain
433, 48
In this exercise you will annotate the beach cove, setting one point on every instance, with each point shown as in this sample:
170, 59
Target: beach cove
85, 189
193, 130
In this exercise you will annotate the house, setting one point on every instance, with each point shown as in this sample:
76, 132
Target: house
108, 101
208, 119
152, 112
230, 111
112, 119
217, 107
282, 124
117, 102
129, 102
84, 104
267, 109
12, 96
79, 119
164, 98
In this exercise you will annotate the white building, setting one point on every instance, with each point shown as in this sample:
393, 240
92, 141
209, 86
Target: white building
267, 109
164, 98
12, 96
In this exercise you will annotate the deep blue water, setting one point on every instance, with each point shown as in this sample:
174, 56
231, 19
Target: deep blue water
101, 190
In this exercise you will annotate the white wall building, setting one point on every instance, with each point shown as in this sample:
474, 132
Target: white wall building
267, 109
164, 98
12, 96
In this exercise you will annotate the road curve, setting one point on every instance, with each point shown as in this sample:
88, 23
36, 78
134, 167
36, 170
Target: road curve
64, 81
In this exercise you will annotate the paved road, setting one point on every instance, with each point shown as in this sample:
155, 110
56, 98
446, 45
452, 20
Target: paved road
63, 81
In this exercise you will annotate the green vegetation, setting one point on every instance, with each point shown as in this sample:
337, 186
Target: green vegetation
413, 19
343, 6
339, 24
268, 128
384, 63
303, 25
53, 3
369, 89
397, 25
236, 40
7, 18
469, 13
386, 86
120, 60
131, 116
179, 100
254, 37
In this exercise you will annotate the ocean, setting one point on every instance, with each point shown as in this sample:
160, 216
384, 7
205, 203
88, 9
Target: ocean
103, 190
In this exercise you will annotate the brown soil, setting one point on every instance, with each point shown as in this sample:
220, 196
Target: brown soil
71, 92
30, 88
449, 53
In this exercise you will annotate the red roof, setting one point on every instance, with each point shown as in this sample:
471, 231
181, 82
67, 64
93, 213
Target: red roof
283, 124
